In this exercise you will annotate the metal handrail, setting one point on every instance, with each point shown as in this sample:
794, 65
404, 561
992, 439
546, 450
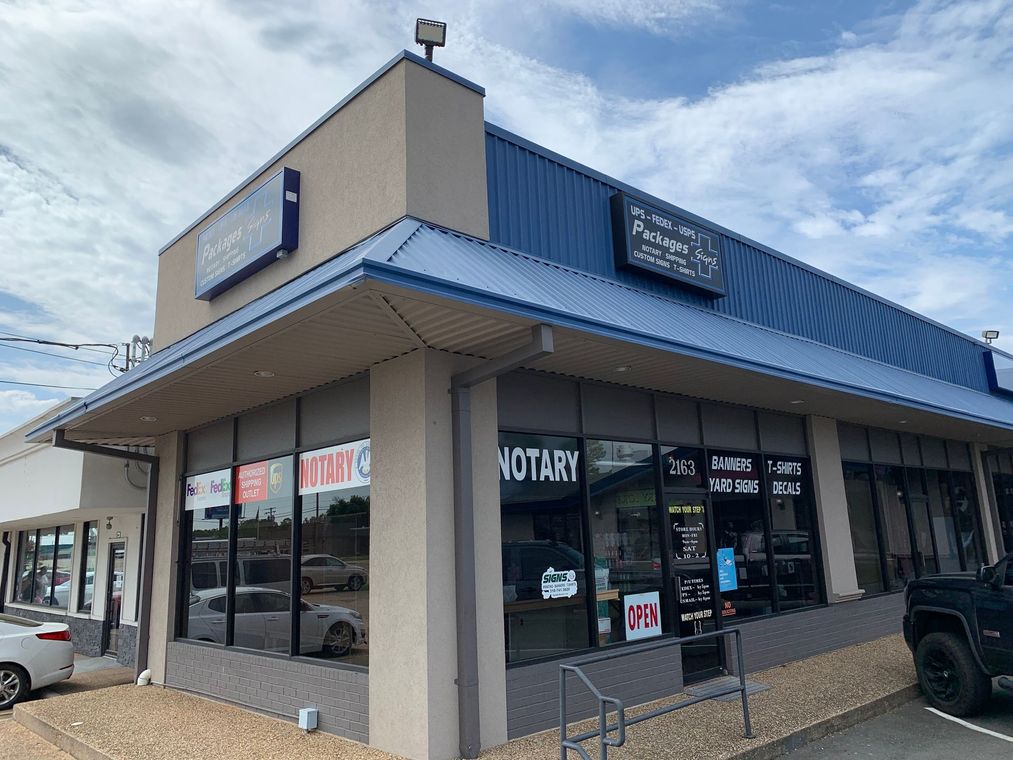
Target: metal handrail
604, 729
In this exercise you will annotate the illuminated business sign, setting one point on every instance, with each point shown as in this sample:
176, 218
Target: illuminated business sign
649, 239
249, 236
999, 369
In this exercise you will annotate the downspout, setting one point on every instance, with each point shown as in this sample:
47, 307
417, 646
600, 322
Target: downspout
464, 528
6, 568
147, 570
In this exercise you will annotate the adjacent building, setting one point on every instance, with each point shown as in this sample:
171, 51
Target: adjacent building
434, 409
71, 524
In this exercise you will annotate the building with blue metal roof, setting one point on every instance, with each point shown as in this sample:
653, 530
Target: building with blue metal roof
435, 410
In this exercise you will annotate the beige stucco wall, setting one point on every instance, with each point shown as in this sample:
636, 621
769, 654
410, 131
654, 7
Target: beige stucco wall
832, 510
489, 570
413, 642
169, 450
411, 143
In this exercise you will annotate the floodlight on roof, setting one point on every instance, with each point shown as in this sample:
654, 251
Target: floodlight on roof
990, 335
430, 34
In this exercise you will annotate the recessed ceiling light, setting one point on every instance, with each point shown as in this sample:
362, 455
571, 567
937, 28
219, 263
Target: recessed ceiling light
624, 368
902, 422
264, 373
149, 418
797, 401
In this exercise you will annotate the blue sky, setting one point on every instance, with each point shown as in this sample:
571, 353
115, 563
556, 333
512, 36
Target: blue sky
871, 139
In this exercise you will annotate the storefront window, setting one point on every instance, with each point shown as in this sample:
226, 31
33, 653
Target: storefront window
741, 533
896, 534
864, 535
941, 513
334, 565
1001, 467
63, 551
263, 565
25, 586
89, 559
205, 570
919, 501
624, 531
792, 532
544, 584
965, 508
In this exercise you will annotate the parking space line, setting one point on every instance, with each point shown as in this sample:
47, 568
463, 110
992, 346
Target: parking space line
971, 726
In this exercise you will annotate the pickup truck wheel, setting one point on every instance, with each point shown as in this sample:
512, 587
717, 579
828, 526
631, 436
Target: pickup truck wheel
949, 676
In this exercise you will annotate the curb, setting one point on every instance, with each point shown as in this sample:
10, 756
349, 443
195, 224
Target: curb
58, 737
832, 725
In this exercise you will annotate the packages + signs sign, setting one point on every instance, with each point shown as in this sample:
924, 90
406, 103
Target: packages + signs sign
249, 236
211, 489
647, 238
335, 468
643, 615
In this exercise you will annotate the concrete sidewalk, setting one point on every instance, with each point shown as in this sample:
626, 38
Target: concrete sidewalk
807, 700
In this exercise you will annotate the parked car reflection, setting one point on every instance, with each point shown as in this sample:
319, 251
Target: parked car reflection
323, 570
262, 616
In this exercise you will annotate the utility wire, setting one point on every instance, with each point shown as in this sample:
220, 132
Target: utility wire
58, 356
75, 346
43, 385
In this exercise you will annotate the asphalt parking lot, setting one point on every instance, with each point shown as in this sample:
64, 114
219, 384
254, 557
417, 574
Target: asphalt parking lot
912, 732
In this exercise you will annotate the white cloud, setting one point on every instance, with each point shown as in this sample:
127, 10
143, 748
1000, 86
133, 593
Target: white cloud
657, 16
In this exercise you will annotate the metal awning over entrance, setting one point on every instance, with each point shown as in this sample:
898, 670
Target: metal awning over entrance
414, 285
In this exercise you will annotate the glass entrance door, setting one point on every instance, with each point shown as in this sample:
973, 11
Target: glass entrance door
692, 563
115, 574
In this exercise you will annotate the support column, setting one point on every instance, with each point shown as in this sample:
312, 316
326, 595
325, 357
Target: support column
413, 642
832, 510
164, 553
489, 579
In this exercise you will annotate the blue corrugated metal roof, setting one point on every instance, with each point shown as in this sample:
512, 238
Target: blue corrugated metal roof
550, 206
465, 269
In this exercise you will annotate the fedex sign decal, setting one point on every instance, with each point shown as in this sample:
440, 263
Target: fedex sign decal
212, 489
643, 615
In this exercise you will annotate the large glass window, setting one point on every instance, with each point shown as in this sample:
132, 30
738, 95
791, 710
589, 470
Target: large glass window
44, 566
941, 514
624, 531
334, 565
741, 530
24, 590
864, 532
207, 500
544, 570
263, 560
919, 500
63, 552
89, 559
792, 532
965, 509
900, 566
1001, 467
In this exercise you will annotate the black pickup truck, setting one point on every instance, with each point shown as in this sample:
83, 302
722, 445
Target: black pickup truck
960, 628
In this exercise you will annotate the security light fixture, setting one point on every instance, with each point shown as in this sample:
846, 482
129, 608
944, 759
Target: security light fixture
797, 401
624, 368
263, 373
109, 523
430, 34
990, 335
149, 418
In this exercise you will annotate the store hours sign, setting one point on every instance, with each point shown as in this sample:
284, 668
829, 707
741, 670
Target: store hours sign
249, 236
647, 238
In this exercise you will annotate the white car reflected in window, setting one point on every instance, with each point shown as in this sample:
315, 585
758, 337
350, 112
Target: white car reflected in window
324, 630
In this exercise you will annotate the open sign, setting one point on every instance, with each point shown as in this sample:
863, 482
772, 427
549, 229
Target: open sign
643, 615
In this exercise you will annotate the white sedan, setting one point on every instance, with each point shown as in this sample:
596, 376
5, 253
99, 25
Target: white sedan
32, 655
263, 621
